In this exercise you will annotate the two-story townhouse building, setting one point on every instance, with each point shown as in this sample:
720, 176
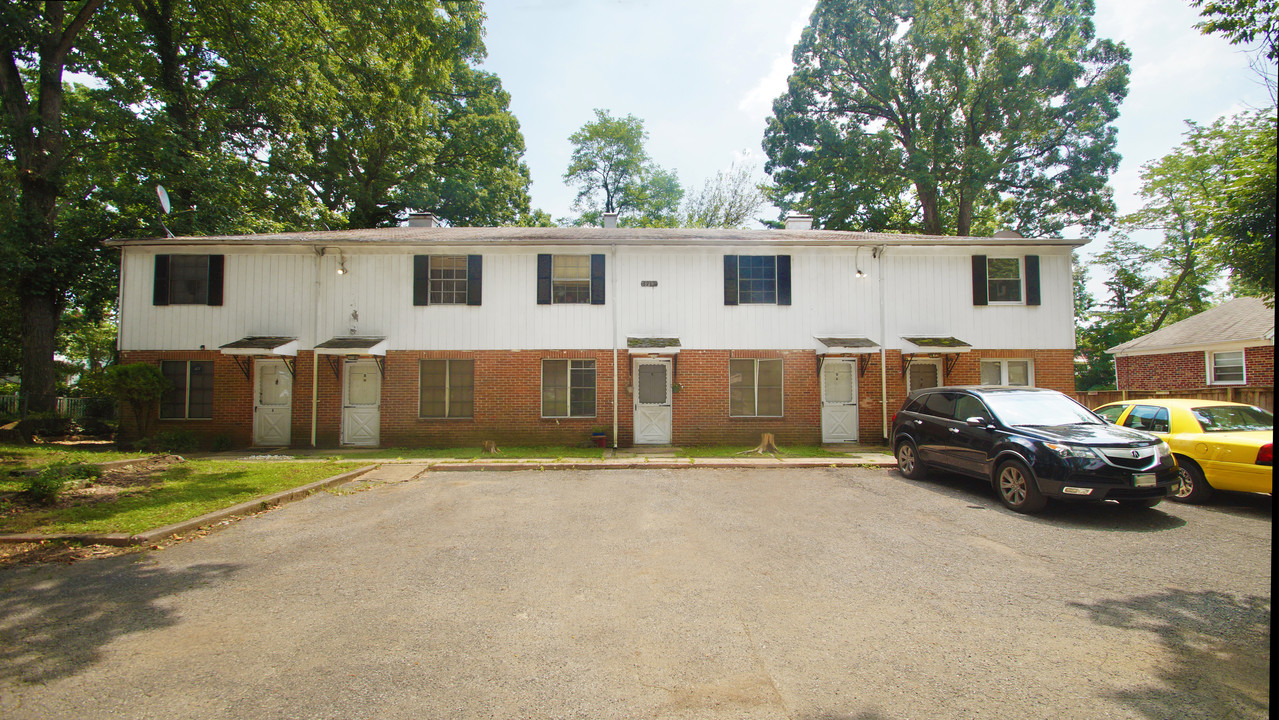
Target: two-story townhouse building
435, 336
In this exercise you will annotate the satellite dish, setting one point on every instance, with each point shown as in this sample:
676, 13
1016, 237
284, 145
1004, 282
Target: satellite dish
164, 198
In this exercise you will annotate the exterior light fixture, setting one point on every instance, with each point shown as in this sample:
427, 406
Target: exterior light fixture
341, 263
858, 262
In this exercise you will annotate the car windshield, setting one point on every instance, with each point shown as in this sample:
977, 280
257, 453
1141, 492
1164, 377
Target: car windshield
1225, 418
1044, 409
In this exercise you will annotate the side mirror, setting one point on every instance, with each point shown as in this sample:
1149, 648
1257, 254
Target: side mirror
978, 422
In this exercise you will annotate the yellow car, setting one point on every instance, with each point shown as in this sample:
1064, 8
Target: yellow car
1217, 445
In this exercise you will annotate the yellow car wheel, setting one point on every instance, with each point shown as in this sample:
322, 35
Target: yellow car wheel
1193, 488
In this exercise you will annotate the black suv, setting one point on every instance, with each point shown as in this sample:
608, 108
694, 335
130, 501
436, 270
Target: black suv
1030, 444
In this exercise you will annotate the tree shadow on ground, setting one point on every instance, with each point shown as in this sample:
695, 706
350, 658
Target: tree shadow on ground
1106, 516
55, 621
1218, 647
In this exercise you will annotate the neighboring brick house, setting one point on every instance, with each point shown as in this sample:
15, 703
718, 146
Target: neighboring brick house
1231, 345
447, 336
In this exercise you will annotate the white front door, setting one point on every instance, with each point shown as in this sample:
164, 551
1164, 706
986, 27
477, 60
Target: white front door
272, 403
361, 402
653, 414
839, 401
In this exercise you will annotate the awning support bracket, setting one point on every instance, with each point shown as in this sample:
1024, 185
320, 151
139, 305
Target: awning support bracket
243, 362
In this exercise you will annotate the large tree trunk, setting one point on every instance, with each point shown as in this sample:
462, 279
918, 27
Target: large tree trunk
932, 214
40, 314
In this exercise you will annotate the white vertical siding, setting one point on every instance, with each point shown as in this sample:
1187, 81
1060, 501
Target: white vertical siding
925, 292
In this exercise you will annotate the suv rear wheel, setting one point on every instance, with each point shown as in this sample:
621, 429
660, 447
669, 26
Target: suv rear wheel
908, 461
1017, 488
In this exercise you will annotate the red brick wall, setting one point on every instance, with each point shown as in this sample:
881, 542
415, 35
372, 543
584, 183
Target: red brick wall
1188, 370
232, 400
508, 397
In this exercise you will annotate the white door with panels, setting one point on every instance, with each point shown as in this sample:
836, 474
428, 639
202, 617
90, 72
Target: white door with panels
923, 374
272, 403
839, 401
653, 412
361, 402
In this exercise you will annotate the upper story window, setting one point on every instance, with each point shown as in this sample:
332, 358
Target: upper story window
570, 279
757, 280
1227, 368
188, 280
1008, 280
190, 394
447, 279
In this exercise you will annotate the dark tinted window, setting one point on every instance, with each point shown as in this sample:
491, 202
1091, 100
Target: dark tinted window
940, 404
967, 406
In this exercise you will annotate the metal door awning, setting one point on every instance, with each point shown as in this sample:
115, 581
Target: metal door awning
353, 345
653, 346
949, 347
851, 345
245, 348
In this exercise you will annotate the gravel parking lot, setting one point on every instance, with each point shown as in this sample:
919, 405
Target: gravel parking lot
823, 593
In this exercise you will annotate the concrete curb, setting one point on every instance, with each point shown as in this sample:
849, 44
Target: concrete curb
244, 508
671, 464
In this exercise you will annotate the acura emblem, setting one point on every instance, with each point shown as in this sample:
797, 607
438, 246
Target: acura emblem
1136, 454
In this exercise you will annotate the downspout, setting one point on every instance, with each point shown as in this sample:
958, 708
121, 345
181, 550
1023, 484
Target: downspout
616, 301
315, 340
883, 349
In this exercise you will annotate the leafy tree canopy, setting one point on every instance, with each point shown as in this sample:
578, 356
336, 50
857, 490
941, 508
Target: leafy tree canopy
728, 200
613, 173
949, 116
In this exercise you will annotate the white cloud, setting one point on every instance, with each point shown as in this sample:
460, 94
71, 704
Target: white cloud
758, 101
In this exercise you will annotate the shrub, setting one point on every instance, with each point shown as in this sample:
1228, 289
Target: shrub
52, 479
140, 386
169, 441
222, 443
45, 425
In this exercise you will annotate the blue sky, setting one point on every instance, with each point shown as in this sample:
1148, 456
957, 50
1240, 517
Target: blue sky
702, 75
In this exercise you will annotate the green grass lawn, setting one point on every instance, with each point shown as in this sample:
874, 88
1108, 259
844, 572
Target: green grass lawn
184, 491
20, 457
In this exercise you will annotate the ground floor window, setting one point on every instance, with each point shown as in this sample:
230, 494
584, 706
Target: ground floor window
1018, 373
755, 388
190, 395
568, 388
447, 389
1227, 367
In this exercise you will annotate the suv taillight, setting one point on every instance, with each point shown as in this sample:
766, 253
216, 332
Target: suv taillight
890, 422
1266, 455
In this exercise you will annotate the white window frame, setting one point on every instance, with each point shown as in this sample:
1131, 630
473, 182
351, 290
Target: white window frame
433, 282
755, 385
568, 369
1003, 370
556, 279
1211, 360
1021, 280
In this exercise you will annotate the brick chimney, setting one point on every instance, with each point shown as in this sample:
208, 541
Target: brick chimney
799, 222
610, 220
422, 219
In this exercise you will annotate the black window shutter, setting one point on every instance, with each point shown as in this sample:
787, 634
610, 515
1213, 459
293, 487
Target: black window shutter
474, 279
1032, 279
730, 279
421, 280
160, 295
783, 279
597, 279
980, 296
216, 273
543, 279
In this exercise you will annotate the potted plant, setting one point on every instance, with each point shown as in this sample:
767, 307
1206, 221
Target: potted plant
599, 436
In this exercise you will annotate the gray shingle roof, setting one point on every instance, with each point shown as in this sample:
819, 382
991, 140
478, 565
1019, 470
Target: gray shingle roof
584, 236
1241, 319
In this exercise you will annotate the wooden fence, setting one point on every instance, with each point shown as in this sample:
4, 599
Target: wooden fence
1263, 397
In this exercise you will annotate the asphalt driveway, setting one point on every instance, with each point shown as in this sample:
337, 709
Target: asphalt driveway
820, 593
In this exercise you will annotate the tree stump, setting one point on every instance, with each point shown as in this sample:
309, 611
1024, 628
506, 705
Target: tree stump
490, 447
767, 445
